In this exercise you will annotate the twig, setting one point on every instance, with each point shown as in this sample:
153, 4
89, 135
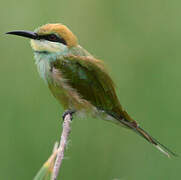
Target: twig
46, 170
62, 145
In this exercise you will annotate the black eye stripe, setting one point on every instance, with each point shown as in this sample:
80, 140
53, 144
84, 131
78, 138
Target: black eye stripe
53, 38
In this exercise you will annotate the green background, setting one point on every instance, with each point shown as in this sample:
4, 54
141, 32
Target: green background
140, 42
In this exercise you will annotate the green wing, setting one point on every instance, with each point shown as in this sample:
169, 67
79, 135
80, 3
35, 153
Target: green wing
90, 79
92, 82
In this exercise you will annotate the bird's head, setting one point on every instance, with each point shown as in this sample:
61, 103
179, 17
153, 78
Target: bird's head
49, 38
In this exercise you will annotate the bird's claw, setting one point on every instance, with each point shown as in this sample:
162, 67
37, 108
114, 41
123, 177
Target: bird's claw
68, 112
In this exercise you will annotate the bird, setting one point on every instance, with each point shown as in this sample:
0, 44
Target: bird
79, 81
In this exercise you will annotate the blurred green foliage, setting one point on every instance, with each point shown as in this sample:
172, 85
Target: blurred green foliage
140, 42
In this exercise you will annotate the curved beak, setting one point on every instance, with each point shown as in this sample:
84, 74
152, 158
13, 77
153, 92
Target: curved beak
27, 34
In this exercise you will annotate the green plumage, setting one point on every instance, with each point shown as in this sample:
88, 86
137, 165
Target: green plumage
78, 80
87, 77
90, 80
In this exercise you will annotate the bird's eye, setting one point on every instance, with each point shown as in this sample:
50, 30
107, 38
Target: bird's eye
52, 37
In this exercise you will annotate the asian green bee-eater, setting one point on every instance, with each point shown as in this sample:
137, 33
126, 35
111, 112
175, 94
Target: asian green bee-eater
79, 81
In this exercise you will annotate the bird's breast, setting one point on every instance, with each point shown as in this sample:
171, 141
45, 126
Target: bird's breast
43, 62
60, 87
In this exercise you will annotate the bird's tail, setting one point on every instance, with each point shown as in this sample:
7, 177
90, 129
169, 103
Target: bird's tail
128, 122
153, 141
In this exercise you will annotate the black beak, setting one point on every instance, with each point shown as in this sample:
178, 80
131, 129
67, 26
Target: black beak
27, 34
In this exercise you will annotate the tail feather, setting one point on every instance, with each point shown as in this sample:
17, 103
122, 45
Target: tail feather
127, 121
153, 141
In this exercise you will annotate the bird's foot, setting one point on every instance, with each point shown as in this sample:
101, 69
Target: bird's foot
68, 112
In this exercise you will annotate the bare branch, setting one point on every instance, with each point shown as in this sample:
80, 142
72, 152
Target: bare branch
62, 145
